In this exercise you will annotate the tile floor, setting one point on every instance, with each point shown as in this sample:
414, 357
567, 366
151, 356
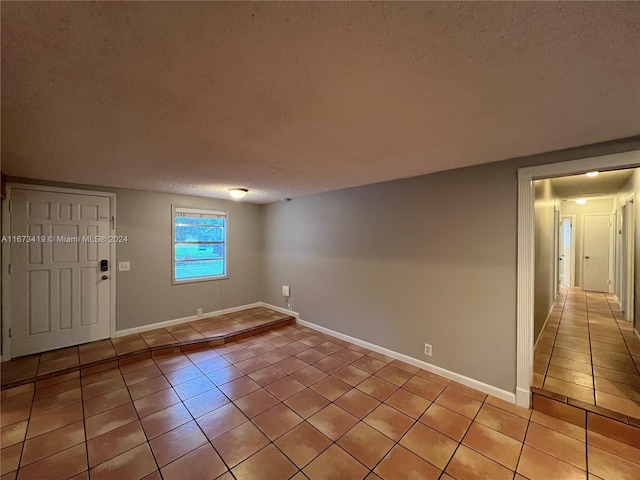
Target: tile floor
587, 354
288, 404
30, 367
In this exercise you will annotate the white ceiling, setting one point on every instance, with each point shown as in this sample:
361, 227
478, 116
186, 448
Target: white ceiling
606, 183
294, 98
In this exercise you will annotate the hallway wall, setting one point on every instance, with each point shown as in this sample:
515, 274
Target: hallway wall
632, 187
545, 206
424, 259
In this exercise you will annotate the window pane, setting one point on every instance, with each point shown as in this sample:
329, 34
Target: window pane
204, 268
199, 251
215, 222
199, 233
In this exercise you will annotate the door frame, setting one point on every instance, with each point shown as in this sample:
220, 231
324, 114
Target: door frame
629, 220
572, 248
582, 262
526, 252
6, 256
555, 284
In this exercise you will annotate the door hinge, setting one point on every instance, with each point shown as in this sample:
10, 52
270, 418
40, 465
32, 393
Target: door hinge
9, 333
113, 222
9, 206
10, 269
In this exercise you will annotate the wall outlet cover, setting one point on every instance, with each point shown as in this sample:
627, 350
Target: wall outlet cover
286, 291
124, 266
427, 349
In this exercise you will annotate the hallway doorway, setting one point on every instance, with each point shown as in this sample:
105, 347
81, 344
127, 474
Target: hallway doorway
527, 257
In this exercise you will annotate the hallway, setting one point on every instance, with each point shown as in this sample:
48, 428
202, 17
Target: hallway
588, 352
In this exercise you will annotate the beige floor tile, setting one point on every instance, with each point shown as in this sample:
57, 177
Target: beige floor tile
446, 421
609, 466
537, 465
269, 463
335, 463
429, 444
401, 463
554, 443
467, 464
493, 444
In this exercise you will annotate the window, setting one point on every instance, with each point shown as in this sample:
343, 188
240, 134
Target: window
199, 245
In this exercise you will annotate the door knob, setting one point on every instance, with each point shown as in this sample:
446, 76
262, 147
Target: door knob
105, 277
586, 257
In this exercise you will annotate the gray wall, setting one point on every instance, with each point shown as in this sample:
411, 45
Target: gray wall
145, 294
426, 259
545, 282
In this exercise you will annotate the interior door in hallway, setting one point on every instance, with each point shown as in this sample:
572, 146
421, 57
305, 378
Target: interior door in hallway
60, 294
566, 259
595, 251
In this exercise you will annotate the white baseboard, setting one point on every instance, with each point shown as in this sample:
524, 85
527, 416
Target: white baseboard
469, 382
544, 326
280, 309
523, 398
192, 318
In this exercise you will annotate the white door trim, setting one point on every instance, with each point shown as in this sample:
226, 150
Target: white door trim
629, 295
526, 258
6, 256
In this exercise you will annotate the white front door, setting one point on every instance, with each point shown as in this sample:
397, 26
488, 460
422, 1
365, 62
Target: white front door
59, 294
595, 251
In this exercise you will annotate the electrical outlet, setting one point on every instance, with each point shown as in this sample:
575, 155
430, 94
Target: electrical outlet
286, 291
427, 349
199, 312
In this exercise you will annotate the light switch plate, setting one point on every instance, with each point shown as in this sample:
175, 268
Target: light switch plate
124, 266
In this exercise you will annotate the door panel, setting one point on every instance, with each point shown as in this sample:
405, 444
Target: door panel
595, 247
58, 296
565, 251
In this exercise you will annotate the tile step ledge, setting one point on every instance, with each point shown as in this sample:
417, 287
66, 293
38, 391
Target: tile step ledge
148, 352
618, 426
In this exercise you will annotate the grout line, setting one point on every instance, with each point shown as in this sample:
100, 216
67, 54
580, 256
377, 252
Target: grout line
304, 420
593, 376
553, 345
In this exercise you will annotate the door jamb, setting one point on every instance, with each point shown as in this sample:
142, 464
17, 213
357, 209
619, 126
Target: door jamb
526, 252
572, 248
630, 293
6, 256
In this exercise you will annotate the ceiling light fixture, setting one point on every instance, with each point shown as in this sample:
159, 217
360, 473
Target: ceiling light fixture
581, 201
238, 193
592, 174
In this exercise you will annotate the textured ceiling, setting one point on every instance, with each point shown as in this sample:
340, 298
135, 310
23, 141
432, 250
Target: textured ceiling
606, 183
294, 98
